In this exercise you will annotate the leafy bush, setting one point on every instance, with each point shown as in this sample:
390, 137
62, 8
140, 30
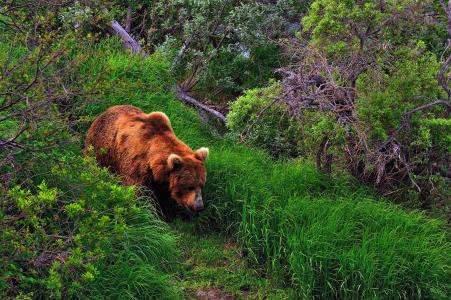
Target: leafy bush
383, 108
381, 104
234, 70
72, 234
369, 76
276, 130
273, 129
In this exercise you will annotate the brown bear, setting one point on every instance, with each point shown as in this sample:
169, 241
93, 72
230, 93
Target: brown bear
144, 150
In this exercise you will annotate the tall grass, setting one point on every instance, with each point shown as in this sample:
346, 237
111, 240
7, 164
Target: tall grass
142, 265
329, 239
321, 235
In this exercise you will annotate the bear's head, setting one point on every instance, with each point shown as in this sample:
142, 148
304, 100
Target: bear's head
187, 177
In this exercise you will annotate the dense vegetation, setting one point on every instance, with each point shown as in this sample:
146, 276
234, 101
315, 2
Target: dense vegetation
70, 229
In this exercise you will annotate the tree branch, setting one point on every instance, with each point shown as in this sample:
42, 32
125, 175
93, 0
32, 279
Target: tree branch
185, 98
409, 113
127, 40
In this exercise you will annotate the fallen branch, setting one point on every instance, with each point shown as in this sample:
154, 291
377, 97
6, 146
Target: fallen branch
127, 40
187, 99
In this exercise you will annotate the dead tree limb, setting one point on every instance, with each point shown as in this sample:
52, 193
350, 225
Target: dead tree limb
187, 99
408, 114
128, 21
128, 42
180, 53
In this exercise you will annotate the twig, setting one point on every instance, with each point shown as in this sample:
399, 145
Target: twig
409, 113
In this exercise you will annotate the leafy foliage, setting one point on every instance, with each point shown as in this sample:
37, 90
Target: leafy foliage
204, 30
367, 66
57, 239
231, 72
274, 130
381, 104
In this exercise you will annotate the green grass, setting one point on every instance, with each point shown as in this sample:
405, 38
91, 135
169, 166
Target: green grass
143, 266
320, 235
212, 261
328, 239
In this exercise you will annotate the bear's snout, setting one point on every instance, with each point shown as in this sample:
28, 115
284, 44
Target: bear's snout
198, 202
192, 200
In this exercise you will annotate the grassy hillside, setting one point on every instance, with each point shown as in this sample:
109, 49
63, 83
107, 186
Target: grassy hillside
321, 235
318, 236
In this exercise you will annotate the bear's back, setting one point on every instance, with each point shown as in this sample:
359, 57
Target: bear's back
125, 139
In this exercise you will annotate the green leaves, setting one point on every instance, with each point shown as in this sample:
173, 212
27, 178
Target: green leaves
273, 130
61, 232
74, 209
26, 201
382, 102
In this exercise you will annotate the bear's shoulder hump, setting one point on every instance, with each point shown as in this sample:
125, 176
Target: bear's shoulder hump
158, 121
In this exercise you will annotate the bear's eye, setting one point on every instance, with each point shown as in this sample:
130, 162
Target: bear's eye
191, 188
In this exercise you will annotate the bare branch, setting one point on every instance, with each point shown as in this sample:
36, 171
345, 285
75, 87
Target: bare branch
408, 114
184, 97
12, 140
127, 40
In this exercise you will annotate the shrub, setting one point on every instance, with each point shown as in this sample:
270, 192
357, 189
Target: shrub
235, 70
67, 237
383, 107
273, 130
381, 104
379, 88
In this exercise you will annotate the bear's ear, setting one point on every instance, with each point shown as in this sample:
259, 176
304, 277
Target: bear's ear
174, 161
201, 154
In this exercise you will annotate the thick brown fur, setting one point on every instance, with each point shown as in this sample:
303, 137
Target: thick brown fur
144, 150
